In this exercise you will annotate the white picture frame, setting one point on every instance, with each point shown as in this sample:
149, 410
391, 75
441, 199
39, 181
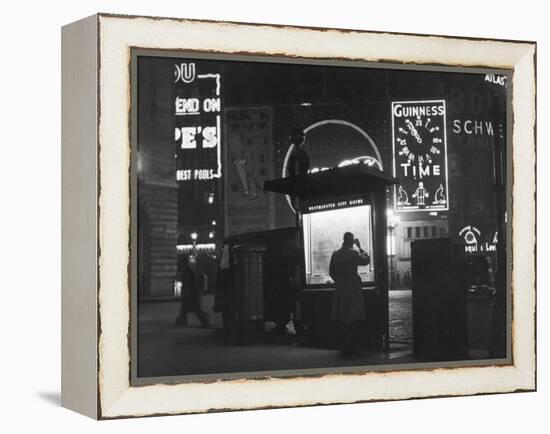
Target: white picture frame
96, 153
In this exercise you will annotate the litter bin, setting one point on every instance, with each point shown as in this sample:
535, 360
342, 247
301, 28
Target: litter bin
248, 297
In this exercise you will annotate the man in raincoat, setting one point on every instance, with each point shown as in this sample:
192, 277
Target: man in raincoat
347, 304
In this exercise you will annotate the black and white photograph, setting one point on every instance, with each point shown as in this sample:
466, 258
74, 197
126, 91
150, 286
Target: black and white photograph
295, 217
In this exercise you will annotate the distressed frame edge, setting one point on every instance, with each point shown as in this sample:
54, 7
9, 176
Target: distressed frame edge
529, 384
79, 141
304, 27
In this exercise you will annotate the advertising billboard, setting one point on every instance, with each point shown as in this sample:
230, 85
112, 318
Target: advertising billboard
419, 142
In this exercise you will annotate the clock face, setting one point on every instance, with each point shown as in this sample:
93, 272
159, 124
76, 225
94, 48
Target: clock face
420, 155
419, 139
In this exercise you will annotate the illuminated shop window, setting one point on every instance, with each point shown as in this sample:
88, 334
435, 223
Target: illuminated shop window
406, 252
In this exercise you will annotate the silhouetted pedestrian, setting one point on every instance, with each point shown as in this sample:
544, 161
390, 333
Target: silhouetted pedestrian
347, 306
192, 282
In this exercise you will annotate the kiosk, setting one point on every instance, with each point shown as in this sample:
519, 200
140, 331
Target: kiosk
328, 204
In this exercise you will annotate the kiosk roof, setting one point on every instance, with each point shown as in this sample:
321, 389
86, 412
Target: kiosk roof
337, 181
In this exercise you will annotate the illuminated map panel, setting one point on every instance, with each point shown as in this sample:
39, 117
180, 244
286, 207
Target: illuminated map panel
323, 234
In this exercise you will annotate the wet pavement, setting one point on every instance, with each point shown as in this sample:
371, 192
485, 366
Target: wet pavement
167, 350
401, 324
166, 312
479, 313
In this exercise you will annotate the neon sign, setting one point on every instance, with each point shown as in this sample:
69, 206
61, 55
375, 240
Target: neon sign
419, 138
197, 130
474, 242
367, 160
365, 141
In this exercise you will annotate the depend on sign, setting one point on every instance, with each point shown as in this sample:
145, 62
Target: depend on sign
191, 106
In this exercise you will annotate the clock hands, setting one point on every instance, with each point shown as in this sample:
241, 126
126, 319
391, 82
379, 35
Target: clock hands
426, 149
413, 131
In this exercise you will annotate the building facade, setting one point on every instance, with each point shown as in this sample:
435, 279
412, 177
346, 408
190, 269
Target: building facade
213, 131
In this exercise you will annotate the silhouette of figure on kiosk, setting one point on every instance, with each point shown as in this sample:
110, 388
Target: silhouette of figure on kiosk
298, 162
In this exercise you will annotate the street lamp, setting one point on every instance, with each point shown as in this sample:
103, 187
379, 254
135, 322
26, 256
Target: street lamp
194, 236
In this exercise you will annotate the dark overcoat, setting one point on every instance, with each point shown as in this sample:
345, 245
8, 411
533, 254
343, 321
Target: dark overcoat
347, 303
191, 287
